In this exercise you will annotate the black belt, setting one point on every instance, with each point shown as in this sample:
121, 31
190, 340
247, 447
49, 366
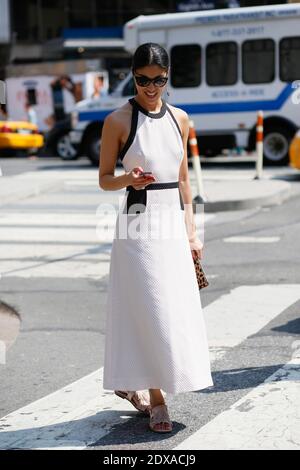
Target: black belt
139, 196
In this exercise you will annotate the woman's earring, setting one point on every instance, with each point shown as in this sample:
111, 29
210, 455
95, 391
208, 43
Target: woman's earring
168, 92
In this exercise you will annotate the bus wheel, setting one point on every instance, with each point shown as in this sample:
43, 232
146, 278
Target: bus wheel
276, 145
92, 147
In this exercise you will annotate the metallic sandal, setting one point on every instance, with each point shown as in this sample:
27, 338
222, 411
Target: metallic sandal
139, 399
159, 414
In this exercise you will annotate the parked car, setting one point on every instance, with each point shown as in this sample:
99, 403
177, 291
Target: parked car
58, 142
294, 151
19, 135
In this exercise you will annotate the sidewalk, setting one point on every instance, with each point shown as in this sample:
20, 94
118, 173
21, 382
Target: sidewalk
224, 189
31, 184
227, 190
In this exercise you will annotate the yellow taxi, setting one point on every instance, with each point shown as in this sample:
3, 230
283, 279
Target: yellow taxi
294, 151
19, 135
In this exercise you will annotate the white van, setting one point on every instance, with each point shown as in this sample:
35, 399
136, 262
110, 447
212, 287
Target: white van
225, 66
49, 98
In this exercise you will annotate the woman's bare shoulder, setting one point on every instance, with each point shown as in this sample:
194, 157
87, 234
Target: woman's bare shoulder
119, 117
178, 112
181, 116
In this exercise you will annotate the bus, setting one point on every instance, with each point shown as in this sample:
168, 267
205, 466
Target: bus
226, 65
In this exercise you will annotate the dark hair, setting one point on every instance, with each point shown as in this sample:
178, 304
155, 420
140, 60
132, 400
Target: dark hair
150, 53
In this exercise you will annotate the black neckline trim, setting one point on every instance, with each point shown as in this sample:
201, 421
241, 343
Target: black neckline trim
133, 127
175, 121
158, 115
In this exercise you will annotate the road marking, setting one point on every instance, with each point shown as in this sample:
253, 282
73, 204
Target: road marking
78, 182
55, 245
212, 276
245, 310
267, 418
59, 245
73, 417
244, 239
41, 219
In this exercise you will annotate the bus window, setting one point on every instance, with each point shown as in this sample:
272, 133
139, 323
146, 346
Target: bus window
185, 65
289, 50
221, 63
258, 61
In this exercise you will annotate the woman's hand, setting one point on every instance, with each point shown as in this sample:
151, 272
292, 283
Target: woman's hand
196, 247
197, 254
138, 181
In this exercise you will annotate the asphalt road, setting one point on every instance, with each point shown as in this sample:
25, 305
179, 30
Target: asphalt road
54, 268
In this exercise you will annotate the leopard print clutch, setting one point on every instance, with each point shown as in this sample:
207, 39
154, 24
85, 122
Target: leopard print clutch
201, 278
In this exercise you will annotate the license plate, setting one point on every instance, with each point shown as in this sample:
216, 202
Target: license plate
24, 131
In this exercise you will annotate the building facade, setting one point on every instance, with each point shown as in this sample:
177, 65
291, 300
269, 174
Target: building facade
55, 30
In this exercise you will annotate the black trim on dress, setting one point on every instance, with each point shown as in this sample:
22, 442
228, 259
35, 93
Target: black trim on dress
139, 197
136, 201
158, 115
133, 127
174, 119
181, 200
178, 128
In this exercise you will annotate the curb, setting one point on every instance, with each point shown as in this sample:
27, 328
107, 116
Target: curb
247, 203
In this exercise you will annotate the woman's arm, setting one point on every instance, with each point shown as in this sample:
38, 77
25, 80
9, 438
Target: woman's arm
185, 190
109, 150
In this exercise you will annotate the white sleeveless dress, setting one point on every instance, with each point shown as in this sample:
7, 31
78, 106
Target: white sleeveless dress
155, 330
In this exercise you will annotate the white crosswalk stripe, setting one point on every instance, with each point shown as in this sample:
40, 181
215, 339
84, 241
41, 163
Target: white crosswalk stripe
245, 310
55, 245
267, 418
82, 413
244, 239
72, 417
58, 244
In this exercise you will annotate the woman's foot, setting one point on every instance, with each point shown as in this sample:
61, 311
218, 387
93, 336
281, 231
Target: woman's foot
156, 397
159, 417
139, 399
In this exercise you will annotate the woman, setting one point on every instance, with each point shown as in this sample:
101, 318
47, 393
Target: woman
155, 332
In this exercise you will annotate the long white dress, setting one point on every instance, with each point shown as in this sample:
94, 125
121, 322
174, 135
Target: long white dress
155, 330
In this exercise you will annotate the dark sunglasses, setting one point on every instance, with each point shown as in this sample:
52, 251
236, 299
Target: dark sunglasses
143, 81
